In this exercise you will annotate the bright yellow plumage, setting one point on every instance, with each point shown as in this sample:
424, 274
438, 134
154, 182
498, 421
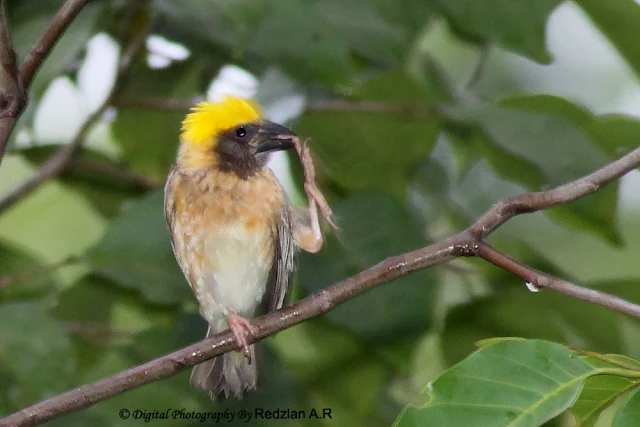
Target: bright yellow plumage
209, 119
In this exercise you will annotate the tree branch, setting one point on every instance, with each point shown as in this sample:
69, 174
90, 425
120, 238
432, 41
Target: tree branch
542, 280
464, 244
65, 15
11, 90
63, 157
27, 70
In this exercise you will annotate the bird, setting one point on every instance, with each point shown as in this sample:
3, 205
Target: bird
233, 231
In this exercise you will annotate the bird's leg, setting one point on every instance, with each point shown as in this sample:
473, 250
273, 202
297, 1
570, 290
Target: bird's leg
241, 328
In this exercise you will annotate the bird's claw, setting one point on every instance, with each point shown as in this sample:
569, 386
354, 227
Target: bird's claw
241, 328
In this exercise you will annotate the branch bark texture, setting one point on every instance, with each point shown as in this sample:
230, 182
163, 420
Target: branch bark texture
22, 77
468, 243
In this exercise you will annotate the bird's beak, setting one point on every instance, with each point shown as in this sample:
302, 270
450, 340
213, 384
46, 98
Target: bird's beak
274, 137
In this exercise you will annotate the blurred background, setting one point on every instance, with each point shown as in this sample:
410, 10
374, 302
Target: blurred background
421, 115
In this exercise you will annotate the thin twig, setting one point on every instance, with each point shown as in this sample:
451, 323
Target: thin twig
466, 243
413, 110
155, 103
542, 280
62, 158
65, 15
115, 172
27, 70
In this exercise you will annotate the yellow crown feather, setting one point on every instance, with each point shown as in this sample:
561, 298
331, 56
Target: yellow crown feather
207, 120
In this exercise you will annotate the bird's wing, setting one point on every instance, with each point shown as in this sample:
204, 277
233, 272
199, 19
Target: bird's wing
169, 202
282, 263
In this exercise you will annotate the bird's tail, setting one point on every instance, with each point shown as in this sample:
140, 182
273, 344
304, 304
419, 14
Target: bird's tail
230, 373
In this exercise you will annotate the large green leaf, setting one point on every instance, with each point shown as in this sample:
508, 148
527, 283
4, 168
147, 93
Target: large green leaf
331, 37
517, 25
599, 392
364, 150
629, 415
312, 55
373, 227
513, 383
536, 140
34, 351
230, 24
617, 20
136, 253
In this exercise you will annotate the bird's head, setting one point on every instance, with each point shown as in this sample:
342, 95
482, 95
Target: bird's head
231, 136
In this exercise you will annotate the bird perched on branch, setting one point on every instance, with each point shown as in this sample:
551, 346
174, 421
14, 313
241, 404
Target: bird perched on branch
232, 230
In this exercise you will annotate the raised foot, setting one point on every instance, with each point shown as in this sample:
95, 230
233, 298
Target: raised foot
241, 329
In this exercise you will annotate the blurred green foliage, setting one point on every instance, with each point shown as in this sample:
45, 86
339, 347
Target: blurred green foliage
434, 156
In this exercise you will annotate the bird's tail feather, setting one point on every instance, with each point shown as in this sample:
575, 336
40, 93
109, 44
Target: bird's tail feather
230, 373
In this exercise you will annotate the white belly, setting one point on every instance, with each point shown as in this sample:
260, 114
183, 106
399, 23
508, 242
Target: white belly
235, 272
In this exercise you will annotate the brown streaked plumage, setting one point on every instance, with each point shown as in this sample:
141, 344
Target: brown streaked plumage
230, 229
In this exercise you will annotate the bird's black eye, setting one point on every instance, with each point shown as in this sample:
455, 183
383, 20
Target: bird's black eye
241, 132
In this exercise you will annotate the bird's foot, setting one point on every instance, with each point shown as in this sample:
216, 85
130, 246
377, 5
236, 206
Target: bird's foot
241, 329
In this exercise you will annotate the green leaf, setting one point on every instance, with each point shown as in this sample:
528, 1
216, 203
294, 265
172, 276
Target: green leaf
615, 134
596, 212
517, 25
314, 54
364, 150
599, 392
34, 351
91, 302
630, 413
102, 181
617, 19
412, 23
258, 28
534, 141
331, 38
136, 253
149, 139
21, 275
509, 313
524, 128
373, 227
363, 28
219, 22
512, 383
